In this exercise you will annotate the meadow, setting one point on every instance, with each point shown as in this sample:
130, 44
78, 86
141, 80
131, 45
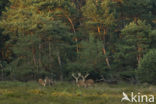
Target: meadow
68, 93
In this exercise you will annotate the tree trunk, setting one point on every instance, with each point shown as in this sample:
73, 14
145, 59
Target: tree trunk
107, 60
49, 53
2, 74
39, 60
60, 65
139, 54
104, 49
34, 60
73, 28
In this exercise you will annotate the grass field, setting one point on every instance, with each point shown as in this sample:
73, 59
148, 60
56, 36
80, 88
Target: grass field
67, 93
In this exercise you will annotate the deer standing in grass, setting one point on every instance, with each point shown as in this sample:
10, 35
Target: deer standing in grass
79, 83
46, 82
41, 82
83, 83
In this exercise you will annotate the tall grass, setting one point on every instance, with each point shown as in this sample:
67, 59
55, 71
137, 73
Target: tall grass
67, 93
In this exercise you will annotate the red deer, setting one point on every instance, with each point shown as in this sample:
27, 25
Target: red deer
41, 82
48, 82
84, 83
88, 82
79, 83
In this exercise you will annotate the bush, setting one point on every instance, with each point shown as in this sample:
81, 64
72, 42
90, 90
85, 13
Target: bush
147, 68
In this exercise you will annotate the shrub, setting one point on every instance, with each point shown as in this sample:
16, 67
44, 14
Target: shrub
147, 68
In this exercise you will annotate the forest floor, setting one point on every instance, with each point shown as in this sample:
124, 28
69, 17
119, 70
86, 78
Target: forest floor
68, 93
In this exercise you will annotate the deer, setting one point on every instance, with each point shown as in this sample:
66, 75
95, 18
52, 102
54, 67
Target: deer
84, 83
79, 83
41, 82
88, 82
48, 82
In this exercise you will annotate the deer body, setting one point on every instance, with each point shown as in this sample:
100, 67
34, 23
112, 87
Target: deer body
78, 82
41, 82
89, 82
46, 82
83, 83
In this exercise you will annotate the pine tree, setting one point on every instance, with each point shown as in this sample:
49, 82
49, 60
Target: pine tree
32, 29
56, 37
101, 20
134, 44
90, 58
4, 51
137, 9
146, 69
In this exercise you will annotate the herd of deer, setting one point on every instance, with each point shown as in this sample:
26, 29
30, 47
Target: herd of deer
80, 81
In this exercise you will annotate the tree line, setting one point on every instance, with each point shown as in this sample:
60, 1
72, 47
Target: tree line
111, 38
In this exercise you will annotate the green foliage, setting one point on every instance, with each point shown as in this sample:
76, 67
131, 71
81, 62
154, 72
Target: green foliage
33, 93
137, 9
134, 44
153, 39
100, 12
136, 35
90, 58
3, 3
147, 68
37, 38
57, 37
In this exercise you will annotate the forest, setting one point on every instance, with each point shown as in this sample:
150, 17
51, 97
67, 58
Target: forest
110, 39
77, 51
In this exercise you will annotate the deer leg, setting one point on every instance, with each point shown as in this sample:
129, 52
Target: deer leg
78, 85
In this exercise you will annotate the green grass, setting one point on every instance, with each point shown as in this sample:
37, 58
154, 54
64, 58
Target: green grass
67, 93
